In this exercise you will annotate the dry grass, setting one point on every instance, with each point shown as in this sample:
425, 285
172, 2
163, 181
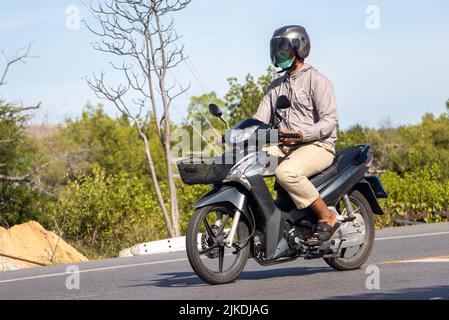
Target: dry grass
41, 132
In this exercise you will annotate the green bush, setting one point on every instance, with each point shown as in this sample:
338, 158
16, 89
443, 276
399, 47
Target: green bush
20, 201
188, 195
423, 191
104, 214
98, 139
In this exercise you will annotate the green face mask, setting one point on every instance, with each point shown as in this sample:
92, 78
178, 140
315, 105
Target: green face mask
284, 60
285, 64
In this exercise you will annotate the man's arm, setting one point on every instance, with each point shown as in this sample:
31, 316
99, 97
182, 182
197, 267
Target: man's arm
325, 103
264, 111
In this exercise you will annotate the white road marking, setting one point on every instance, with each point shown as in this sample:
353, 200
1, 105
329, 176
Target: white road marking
413, 236
51, 275
59, 274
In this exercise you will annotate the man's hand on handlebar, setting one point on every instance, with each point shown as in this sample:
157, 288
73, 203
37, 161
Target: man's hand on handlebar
290, 137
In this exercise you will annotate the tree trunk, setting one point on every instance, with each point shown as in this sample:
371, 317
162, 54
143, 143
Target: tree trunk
171, 231
170, 175
174, 206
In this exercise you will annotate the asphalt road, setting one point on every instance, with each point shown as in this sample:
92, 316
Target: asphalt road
413, 263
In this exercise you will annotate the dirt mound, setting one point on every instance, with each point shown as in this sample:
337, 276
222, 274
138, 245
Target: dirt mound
30, 245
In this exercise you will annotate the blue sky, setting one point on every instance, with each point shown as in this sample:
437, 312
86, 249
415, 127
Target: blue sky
397, 73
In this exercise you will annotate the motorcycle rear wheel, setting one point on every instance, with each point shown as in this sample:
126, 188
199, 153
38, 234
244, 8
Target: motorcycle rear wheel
355, 262
201, 259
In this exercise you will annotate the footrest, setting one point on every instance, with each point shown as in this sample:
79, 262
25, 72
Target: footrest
349, 219
316, 253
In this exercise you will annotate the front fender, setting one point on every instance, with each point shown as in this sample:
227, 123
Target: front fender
225, 194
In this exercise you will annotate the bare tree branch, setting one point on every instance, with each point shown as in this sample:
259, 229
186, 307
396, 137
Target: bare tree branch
20, 56
133, 31
26, 177
23, 109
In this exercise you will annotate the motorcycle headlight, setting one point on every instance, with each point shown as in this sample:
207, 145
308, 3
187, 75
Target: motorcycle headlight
239, 135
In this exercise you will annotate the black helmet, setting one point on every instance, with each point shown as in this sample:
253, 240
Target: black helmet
288, 43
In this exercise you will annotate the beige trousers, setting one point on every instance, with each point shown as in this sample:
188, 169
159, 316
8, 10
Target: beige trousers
298, 165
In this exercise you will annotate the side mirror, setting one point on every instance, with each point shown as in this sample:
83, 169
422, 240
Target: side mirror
283, 103
215, 110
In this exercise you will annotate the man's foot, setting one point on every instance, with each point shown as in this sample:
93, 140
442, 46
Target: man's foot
327, 223
324, 231
331, 220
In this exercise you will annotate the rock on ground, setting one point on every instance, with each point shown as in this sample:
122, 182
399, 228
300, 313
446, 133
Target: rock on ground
6, 264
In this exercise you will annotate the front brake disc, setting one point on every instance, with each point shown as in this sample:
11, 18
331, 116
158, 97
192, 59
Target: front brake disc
207, 242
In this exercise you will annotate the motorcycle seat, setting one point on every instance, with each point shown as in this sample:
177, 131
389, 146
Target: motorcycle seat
343, 159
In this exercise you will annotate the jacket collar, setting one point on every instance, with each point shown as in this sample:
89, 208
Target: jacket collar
298, 72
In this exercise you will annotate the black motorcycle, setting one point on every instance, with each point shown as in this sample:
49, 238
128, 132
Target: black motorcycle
239, 219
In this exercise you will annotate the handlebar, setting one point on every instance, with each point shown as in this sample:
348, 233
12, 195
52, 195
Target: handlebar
268, 135
290, 136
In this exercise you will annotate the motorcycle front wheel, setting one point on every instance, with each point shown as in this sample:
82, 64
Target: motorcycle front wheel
210, 258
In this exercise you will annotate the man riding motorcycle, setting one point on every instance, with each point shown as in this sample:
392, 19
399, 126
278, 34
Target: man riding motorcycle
312, 115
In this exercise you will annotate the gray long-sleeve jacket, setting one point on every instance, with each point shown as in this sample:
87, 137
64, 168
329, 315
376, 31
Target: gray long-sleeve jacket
314, 105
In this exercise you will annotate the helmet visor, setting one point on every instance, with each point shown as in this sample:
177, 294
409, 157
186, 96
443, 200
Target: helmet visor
282, 54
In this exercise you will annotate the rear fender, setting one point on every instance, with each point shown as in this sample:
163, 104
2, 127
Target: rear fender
365, 188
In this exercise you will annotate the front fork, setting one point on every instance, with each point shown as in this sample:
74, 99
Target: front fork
229, 240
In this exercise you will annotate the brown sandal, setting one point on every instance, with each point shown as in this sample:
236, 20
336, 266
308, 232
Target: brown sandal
323, 233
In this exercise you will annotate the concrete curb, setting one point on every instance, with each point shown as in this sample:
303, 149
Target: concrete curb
155, 247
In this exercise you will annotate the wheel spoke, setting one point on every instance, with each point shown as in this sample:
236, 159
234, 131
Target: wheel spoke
220, 258
223, 225
208, 249
209, 231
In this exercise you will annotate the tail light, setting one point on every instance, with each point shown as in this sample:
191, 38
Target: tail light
369, 161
